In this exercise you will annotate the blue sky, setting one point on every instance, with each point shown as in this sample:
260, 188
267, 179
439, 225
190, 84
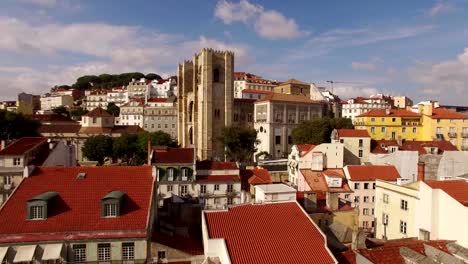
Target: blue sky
414, 48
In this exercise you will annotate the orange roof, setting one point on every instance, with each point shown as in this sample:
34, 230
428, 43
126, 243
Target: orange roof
317, 182
288, 98
273, 233
216, 165
260, 176
458, 189
444, 113
392, 112
256, 91
98, 112
372, 172
294, 81
22, 145
305, 148
352, 133
420, 146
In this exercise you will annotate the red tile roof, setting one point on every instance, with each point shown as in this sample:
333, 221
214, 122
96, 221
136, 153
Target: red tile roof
420, 146
244, 100
98, 112
256, 91
376, 145
59, 129
389, 253
458, 189
157, 100
294, 81
22, 145
274, 233
165, 155
392, 112
444, 113
76, 212
347, 257
260, 176
218, 178
318, 184
305, 148
352, 133
216, 165
288, 98
372, 172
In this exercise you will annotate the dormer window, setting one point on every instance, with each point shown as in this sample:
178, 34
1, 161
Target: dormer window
37, 206
112, 203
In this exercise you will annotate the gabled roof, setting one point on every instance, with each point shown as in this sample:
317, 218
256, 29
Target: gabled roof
305, 148
378, 146
274, 233
166, 155
75, 213
318, 184
444, 113
98, 112
392, 113
260, 176
216, 165
22, 145
372, 172
288, 98
352, 133
420, 146
457, 189
294, 81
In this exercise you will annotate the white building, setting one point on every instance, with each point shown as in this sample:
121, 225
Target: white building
132, 113
362, 181
118, 96
139, 88
96, 99
50, 102
427, 210
278, 192
359, 105
276, 115
163, 88
250, 81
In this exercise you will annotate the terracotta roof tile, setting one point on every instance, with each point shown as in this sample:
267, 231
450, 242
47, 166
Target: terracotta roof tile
76, 211
22, 145
269, 233
256, 91
294, 81
260, 176
444, 113
98, 112
392, 112
317, 182
59, 128
352, 133
216, 165
165, 155
372, 172
218, 178
378, 146
288, 98
305, 148
458, 189
420, 146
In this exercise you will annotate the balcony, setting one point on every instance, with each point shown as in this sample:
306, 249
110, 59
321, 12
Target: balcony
452, 134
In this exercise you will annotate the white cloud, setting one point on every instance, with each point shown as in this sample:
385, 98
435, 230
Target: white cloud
447, 79
346, 91
269, 24
41, 3
440, 7
112, 49
370, 65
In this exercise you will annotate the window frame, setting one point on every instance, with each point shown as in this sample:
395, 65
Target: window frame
80, 251
128, 251
104, 253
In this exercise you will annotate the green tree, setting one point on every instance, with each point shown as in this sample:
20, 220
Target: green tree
61, 110
239, 143
97, 148
126, 148
113, 109
152, 76
16, 125
78, 112
318, 131
158, 138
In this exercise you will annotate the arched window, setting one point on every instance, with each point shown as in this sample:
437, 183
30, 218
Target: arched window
216, 75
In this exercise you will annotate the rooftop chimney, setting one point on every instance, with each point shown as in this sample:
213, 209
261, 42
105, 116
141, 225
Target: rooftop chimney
421, 171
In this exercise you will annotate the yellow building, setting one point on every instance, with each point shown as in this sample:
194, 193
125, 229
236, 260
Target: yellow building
391, 124
293, 86
441, 123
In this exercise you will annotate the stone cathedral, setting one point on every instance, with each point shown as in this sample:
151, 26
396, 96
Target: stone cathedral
205, 101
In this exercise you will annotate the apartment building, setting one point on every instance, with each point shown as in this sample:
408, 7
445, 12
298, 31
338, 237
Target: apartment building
362, 181
402, 102
79, 215
160, 114
357, 106
118, 96
388, 124
50, 102
423, 209
139, 89
163, 88
357, 145
247, 81
276, 115
95, 99
132, 113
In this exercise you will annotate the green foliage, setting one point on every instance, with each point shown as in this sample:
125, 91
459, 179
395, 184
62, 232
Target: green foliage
77, 112
153, 76
97, 148
113, 109
15, 125
239, 143
61, 110
318, 131
126, 147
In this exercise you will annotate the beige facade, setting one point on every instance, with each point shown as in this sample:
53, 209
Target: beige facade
161, 117
96, 100
50, 102
205, 101
356, 148
402, 101
293, 86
